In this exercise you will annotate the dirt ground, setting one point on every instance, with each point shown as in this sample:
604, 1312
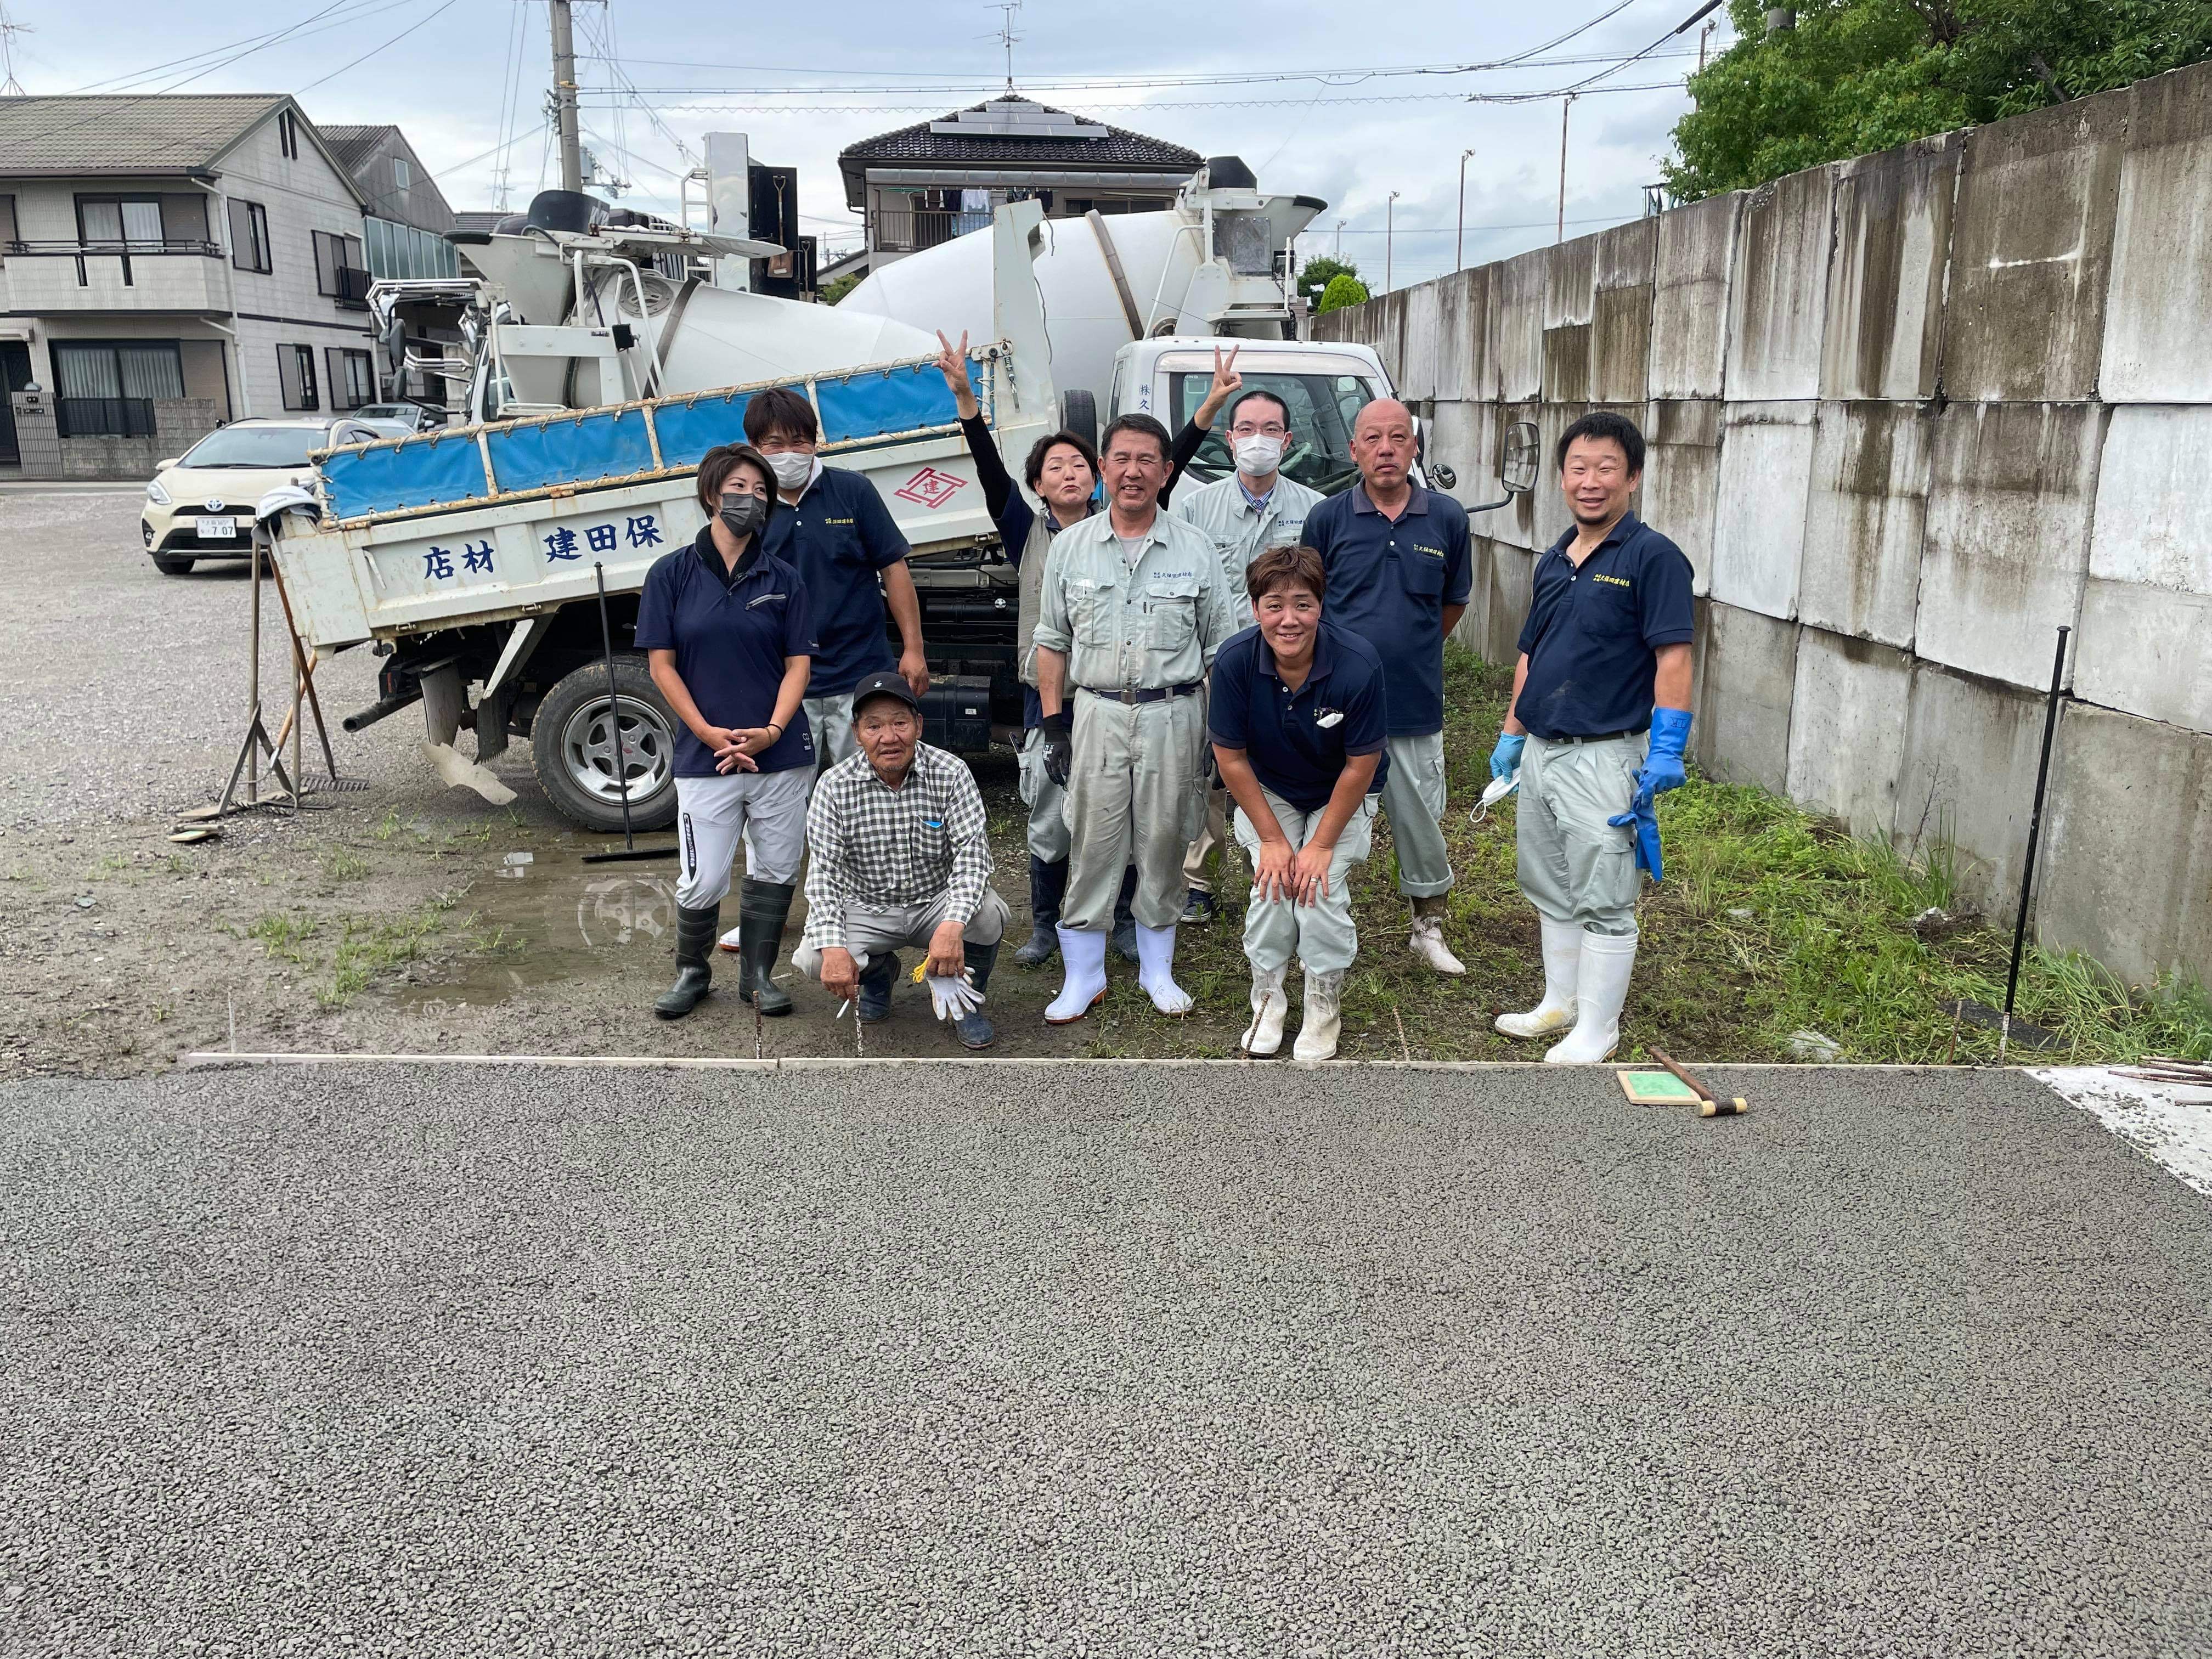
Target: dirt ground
407, 917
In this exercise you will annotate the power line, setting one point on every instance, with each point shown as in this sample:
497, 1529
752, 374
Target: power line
447, 6
348, 11
496, 149
721, 108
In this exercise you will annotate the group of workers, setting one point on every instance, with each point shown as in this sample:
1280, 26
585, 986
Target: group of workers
1250, 659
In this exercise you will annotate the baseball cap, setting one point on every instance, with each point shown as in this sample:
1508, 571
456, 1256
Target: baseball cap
884, 685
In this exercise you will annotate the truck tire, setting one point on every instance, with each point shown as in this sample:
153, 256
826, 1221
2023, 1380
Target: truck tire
571, 751
1079, 413
173, 567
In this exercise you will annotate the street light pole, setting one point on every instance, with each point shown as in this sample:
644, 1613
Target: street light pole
1339, 239
1567, 104
1389, 229
1458, 242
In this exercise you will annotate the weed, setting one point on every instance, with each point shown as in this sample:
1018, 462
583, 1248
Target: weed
176, 865
388, 826
345, 864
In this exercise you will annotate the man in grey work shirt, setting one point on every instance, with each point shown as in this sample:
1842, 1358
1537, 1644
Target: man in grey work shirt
1134, 605
1253, 508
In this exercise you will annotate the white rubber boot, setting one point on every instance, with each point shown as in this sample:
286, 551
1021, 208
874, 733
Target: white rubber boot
1324, 1016
1083, 957
1562, 955
1600, 989
1156, 969
1427, 939
1263, 1037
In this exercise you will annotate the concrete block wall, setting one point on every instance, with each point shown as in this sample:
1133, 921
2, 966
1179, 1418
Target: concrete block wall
1906, 414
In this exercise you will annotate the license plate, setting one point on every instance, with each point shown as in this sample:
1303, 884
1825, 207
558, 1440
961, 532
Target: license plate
218, 528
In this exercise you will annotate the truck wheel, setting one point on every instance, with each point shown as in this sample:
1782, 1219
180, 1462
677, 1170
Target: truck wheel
573, 751
1079, 413
174, 567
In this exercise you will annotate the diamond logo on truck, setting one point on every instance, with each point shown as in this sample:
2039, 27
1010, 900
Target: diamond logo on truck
929, 488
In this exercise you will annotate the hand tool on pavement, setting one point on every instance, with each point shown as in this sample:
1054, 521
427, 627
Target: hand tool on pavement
1713, 1105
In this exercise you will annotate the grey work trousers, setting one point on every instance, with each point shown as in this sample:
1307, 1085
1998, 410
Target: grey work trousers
1047, 801
871, 930
768, 809
830, 720
1321, 934
1215, 833
1135, 791
1413, 796
1573, 866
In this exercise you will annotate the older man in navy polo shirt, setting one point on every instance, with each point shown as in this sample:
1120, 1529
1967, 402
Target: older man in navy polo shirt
1599, 721
1297, 718
1400, 570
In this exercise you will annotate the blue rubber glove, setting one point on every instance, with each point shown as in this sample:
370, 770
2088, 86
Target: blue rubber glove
1507, 756
1647, 837
1662, 764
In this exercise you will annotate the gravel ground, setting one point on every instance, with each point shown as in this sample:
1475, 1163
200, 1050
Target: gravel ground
1166, 1361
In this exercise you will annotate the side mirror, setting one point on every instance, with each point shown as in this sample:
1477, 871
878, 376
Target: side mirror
1520, 455
1444, 475
163, 466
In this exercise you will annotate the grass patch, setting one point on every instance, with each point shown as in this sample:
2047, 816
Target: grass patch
343, 864
342, 957
1771, 921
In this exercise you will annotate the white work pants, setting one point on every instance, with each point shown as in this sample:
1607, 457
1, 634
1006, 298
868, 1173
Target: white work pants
1321, 934
1135, 790
767, 809
1573, 866
1414, 797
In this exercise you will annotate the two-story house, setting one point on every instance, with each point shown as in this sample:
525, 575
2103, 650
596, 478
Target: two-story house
406, 215
169, 263
934, 180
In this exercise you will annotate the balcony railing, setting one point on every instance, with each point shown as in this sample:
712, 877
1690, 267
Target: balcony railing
909, 230
124, 250
353, 288
104, 417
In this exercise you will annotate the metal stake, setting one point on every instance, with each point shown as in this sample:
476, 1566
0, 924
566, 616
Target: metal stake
2034, 835
631, 852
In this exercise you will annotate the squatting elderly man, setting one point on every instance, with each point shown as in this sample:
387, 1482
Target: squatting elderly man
1597, 727
1134, 606
1298, 721
1400, 570
899, 856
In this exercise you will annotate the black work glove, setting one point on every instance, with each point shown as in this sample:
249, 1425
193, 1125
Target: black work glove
1058, 745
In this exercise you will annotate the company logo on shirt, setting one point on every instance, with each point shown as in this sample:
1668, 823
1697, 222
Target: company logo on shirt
1433, 552
764, 599
1613, 581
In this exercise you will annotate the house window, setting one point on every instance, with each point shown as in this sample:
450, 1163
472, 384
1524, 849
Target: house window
403, 176
150, 222
287, 134
249, 236
341, 268
295, 373
106, 388
353, 377
7, 233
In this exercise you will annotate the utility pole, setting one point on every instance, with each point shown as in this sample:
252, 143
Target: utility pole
1339, 241
1458, 242
564, 93
1565, 104
1389, 229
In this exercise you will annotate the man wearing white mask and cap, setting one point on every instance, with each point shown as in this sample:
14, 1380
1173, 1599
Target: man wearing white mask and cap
1253, 508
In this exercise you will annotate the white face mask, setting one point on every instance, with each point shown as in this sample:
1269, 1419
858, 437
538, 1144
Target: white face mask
791, 468
1258, 457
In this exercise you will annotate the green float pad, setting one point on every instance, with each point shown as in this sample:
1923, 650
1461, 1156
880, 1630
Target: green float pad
1656, 1088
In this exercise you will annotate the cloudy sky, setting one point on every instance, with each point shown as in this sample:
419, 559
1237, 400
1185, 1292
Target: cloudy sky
466, 79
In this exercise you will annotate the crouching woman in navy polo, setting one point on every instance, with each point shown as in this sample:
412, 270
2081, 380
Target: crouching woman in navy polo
726, 627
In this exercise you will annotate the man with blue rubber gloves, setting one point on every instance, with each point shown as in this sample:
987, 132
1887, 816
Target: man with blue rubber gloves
1598, 724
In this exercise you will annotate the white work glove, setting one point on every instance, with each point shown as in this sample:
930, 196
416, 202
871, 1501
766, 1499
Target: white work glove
953, 998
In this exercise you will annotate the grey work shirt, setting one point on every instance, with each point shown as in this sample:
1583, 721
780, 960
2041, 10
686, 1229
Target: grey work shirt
1224, 512
1134, 625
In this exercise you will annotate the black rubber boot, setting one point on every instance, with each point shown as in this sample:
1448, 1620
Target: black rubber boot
1125, 920
876, 981
1048, 887
764, 907
694, 944
974, 1029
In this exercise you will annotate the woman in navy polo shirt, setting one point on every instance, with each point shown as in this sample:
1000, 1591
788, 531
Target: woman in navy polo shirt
1298, 720
726, 627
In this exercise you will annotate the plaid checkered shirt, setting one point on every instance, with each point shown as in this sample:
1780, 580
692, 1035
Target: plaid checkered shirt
872, 846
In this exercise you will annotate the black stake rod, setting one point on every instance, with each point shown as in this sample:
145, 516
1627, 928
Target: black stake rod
630, 852
2035, 826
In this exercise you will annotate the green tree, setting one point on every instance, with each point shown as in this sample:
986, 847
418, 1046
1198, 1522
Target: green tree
837, 288
1315, 274
1344, 289
1859, 75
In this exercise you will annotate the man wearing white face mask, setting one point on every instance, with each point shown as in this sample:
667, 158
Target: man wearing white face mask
1245, 514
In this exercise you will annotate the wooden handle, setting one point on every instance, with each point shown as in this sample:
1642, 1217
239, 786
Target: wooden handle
1664, 1058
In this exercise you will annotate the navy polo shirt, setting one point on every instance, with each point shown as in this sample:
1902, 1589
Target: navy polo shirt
1389, 582
730, 639
837, 536
1593, 630
1299, 741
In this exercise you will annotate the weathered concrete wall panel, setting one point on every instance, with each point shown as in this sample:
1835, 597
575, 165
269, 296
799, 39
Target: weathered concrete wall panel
1515, 526
1620, 340
1968, 781
1778, 295
1759, 531
1893, 238
1569, 296
1473, 629
1454, 295
1682, 479
2161, 311
1422, 330
2146, 644
1689, 298
1484, 378
1518, 286
1627, 256
1746, 675
2129, 878
2008, 543
1847, 729
2030, 254
1512, 581
1864, 519
1464, 436
1388, 332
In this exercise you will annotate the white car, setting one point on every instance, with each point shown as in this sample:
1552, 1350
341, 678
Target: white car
402, 418
201, 505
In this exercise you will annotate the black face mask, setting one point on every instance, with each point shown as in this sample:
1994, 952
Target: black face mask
743, 515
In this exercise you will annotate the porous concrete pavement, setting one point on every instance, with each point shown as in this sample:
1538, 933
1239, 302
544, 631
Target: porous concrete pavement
1115, 1360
